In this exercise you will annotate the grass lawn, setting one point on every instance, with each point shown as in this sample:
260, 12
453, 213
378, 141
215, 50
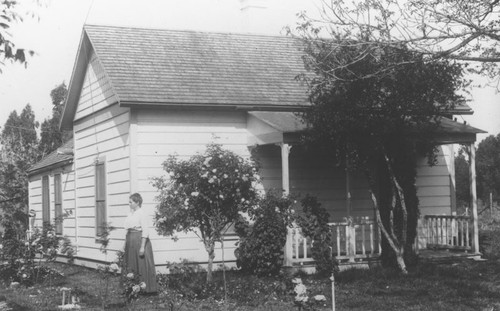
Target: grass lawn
466, 285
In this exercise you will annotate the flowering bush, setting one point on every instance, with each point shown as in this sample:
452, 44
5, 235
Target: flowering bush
260, 249
132, 286
24, 259
205, 195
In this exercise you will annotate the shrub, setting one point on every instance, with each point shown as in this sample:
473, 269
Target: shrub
24, 259
205, 194
314, 224
260, 249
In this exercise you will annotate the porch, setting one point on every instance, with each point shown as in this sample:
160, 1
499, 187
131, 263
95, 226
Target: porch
356, 242
356, 239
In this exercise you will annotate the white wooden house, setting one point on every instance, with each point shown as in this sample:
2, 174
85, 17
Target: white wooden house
138, 95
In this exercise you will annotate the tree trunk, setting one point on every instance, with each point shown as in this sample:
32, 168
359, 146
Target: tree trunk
210, 248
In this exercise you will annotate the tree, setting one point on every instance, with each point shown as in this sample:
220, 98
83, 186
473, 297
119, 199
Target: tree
462, 179
205, 194
488, 168
8, 49
51, 136
466, 30
377, 117
18, 152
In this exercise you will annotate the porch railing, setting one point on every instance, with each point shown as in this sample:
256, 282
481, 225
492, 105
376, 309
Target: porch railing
448, 232
351, 240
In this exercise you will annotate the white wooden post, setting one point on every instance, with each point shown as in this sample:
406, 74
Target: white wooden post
285, 182
473, 197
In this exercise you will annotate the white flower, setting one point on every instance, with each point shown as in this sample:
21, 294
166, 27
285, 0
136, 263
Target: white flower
175, 192
221, 196
1, 246
256, 176
171, 174
292, 211
211, 181
143, 286
205, 175
130, 275
113, 267
195, 193
244, 178
214, 170
276, 209
24, 275
136, 288
225, 176
207, 160
26, 243
320, 298
236, 170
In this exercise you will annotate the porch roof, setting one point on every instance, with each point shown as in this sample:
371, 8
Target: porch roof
57, 158
285, 127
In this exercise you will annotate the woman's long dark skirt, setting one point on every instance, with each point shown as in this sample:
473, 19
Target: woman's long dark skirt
143, 266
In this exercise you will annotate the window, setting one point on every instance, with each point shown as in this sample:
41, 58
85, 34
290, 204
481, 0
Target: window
100, 197
45, 200
58, 215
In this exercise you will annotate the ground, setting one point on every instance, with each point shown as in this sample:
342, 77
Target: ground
465, 285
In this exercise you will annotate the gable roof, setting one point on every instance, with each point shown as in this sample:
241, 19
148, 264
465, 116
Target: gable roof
53, 159
160, 67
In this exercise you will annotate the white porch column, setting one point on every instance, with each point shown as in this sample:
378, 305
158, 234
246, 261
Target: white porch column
285, 169
473, 197
285, 182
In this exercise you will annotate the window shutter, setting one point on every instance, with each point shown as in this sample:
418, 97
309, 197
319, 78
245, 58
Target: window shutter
100, 198
58, 204
45, 200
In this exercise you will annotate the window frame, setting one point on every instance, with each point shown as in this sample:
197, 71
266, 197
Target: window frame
58, 210
100, 197
45, 199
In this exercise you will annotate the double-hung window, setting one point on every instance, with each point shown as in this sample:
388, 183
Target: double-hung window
100, 197
45, 200
58, 214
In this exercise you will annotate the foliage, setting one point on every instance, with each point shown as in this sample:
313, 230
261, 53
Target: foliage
24, 259
187, 278
377, 117
51, 137
462, 177
314, 223
18, 152
9, 14
205, 194
488, 168
263, 235
455, 29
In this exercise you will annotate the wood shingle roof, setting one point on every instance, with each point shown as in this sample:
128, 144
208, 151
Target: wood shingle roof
169, 67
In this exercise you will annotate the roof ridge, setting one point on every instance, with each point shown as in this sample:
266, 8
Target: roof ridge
189, 31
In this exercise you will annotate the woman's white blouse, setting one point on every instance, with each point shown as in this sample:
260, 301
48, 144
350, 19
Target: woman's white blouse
139, 221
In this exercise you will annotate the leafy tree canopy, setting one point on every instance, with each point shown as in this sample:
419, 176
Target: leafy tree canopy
51, 136
10, 14
377, 111
488, 168
467, 30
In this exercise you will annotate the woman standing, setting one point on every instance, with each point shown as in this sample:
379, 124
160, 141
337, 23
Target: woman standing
138, 257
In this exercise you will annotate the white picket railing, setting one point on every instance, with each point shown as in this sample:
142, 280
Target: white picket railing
351, 240
448, 232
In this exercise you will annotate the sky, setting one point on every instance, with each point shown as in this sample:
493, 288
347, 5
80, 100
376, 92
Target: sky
54, 34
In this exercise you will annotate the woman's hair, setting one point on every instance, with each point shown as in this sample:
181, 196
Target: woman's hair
136, 198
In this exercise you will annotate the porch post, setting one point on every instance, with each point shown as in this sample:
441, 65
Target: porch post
285, 170
285, 182
473, 197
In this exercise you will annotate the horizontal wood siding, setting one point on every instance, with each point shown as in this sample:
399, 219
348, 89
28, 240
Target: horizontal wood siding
96, 92
68, 198
161, 133
102, 136
433, 189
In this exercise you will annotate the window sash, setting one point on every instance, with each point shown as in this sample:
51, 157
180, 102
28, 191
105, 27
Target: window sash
45, 200
100, 198
58, 214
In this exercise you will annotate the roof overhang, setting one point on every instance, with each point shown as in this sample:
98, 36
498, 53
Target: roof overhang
75, 85
266, 127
